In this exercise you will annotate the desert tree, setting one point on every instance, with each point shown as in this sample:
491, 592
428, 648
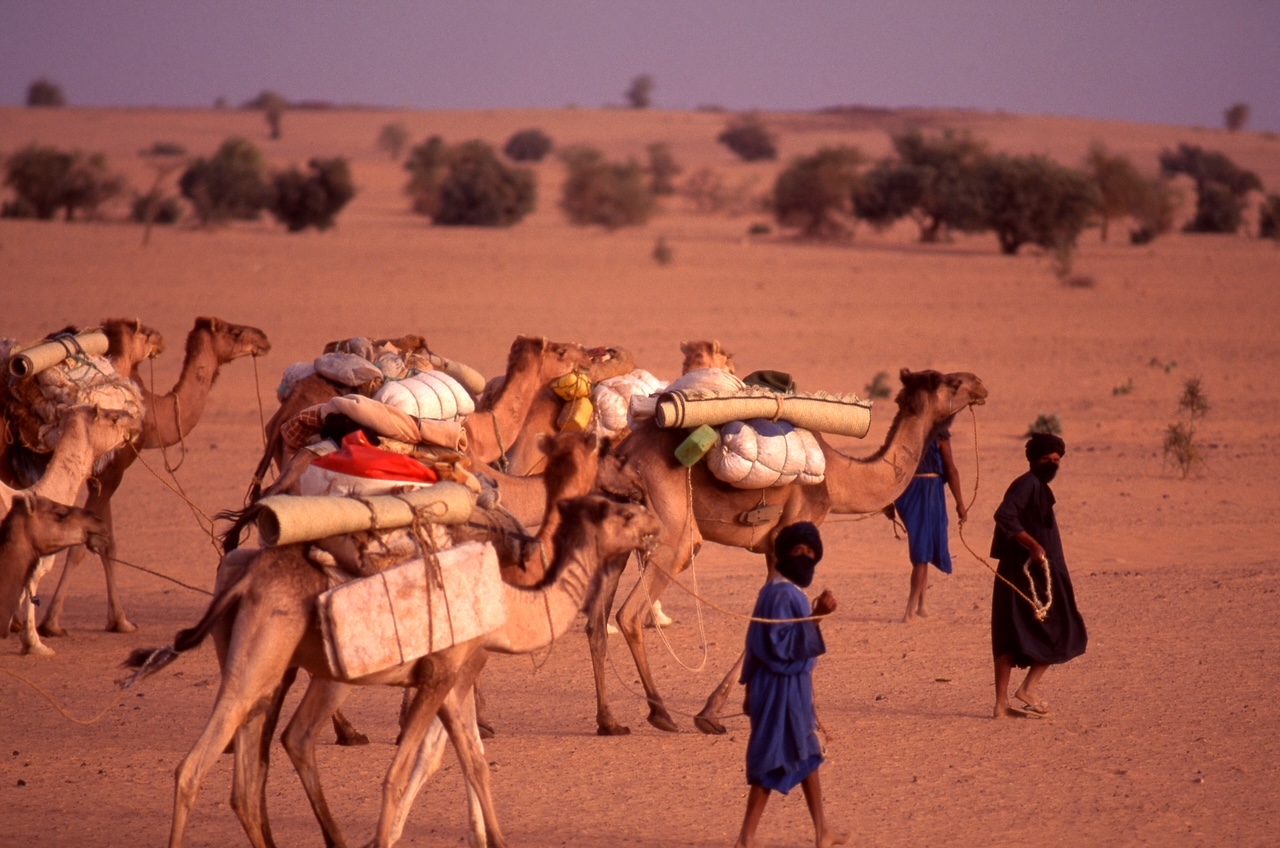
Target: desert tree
1153, 209
596, 191
640, 92
392, 139
272, 105
45, 92
230, 185
313, 199
663, 169
1120, 186
815, 193
887, 193
530, 145
1269, 218
1031, 199
748, 137
1235, 116
468, 185
46, 180
1221, 186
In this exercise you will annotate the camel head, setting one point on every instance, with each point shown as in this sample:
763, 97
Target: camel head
618, 528
609, 362
129, 342
572, 459
617, 477
51, 526
705, 354
551, 359
938, 395
101, 431
229, 341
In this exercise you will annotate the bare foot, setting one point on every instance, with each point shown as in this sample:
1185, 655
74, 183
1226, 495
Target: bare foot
830, 837
1033, 702
920, 612
1007, 711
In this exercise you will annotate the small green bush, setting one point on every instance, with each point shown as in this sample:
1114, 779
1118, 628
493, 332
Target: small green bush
46, 180
531, 145
468, 185
313, 199
815, 193
1045, 423
230, 185
613, 194
156, 209
748, 137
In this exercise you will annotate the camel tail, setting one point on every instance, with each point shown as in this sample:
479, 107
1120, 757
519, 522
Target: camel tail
240, 521
148, 661
264, 465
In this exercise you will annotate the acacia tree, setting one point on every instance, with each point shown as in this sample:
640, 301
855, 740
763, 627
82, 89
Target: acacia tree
748, 137
230, 185
468, 185
45, 92
1031, 199
312, 199
1120, 186
392, 139
640, 92
1221, 186
46, 180
272, 105
596, 191
1235, 116
531, 145
815, 193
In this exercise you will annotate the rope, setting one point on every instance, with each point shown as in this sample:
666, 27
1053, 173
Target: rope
205, 522
177, 422
257, 394
83, 722
1041, 610
161, 576
690, 522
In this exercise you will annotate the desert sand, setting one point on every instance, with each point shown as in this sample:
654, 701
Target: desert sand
1163, 733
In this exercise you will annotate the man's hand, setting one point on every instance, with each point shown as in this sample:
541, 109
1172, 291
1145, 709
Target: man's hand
825, 604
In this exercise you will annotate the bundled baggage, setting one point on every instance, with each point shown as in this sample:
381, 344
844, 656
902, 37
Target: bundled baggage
760, 453
613, 396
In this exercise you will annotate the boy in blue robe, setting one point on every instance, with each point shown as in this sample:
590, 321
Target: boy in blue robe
784, 750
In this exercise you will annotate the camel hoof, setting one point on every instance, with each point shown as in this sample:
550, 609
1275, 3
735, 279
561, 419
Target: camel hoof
352, 739
124, 625
613, 730
51, 630
486, 729
38, 650
709, 726
662, 721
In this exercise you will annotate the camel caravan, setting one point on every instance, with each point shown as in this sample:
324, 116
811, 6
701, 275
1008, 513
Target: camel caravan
408, 517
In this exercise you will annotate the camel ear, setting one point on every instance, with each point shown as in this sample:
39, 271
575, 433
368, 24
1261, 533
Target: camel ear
684, 348
904, 375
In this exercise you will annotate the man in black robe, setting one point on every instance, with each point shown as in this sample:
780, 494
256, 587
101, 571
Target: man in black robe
1032, 569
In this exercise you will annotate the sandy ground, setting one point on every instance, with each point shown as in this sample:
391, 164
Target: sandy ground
1160, 733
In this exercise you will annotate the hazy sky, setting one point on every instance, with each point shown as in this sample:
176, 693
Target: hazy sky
1163, 61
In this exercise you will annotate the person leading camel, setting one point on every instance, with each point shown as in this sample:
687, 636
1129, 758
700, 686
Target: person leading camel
923, 510
784, 751
1029, 548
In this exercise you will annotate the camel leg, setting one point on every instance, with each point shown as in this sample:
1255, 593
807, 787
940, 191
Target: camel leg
708, 721
250, 679
320, 701
598, 640
440, 671
51, 624
457, 719
252, 757
117, 621
31, 643
638, 604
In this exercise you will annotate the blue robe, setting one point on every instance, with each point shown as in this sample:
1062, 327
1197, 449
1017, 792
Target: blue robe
923, 508
784, 748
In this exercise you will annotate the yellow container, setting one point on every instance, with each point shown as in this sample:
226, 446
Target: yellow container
576, 415
572, 386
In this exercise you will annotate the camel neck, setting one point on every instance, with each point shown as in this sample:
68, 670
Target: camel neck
171, 416
868, 485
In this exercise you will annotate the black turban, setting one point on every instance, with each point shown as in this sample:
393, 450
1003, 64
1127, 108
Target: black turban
1043, 444
798, 569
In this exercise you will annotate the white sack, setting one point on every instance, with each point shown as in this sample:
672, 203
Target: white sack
428, 394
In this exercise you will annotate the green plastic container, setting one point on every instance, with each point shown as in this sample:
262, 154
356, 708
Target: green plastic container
695, 447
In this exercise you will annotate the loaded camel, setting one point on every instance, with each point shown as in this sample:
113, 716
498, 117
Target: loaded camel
852, 485
169, 418
265, 627
87, 438
531, 363
37, 527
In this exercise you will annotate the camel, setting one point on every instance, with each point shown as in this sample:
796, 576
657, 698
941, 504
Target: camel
211, 344
88, 436
524, 457
264, 623
37, 527
531, 363
852, 485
